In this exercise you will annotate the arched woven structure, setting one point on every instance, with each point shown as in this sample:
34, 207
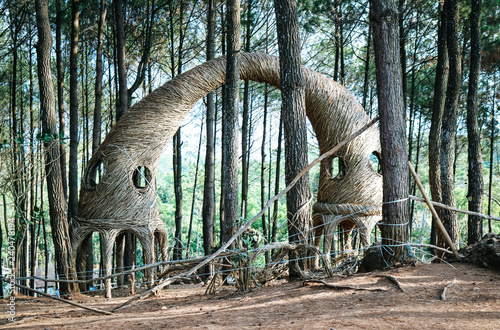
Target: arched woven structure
112, 200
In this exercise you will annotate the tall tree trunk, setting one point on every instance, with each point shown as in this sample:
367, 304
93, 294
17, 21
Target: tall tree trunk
73, 111
384, 14
60, 96
230, 123
57, 203
367, 68
177, 142
96, 133
223, 127
402, 49
32, 176
263, 173
244, 127
492, 148
277, 181
449, 124
191, 215
293, 112
177, 165
440, 83
122, 99
209, 182
146, 49
475, 174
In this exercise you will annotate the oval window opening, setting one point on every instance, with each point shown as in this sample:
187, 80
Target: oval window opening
337, 167
141, 177
95, 174
375, 162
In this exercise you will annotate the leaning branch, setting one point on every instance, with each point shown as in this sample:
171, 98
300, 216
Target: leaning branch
270, 202
444, 206
63, 300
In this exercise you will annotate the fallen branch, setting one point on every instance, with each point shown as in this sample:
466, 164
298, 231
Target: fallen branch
63, 300
342, 287
443, 293
270, 202
393, 280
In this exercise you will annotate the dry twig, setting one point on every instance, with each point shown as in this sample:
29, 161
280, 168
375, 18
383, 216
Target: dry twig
342, 287
443, 293
393, 280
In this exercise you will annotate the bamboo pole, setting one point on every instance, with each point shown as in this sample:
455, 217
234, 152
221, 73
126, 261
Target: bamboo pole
433, 211
444, 206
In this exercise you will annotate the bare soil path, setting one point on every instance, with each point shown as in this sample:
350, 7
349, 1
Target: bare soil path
472, 302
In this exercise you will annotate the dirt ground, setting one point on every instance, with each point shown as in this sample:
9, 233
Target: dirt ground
472, 302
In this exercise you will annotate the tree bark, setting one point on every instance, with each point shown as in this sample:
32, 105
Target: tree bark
57, 203
475, 174
440, 83
245, 153
293, 112
449, 124
96, 133
367, 69
73, 111
230, 123
209, 181
384, 17
122, 99
60, 95
177, 166
492, 149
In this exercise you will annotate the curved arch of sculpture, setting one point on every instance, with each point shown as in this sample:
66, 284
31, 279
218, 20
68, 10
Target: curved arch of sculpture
115, 202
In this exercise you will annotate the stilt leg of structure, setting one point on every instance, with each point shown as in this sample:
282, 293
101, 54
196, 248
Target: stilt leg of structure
107, 245
148, 251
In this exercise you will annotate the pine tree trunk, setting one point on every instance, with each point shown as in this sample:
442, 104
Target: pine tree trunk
57, 203
96, 133
177, 166
209, 181
441, 81
492, 149
293, 111
244, 128
277, 181
230, 122
73, 111
475, 174
60, 95
367, 69
384, 17
449, 124
122, 99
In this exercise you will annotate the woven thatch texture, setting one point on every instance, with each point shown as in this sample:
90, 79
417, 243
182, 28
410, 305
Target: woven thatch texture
115, 202
139, 138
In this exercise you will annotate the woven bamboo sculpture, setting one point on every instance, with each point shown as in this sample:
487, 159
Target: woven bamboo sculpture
118, 192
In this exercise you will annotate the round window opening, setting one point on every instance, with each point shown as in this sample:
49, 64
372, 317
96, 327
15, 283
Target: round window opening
141, 177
